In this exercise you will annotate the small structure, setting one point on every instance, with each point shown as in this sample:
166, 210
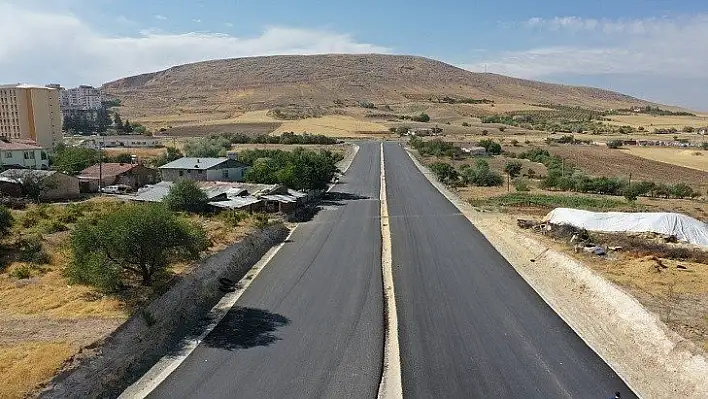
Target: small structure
53, 185
205, 169
702, 131
420, 132
133, 175
471, 148
22, 154
127, 141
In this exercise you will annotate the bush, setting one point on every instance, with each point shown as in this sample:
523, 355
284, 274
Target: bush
480, 175
137, 239
502, 128
300, 169
52, 226
492, 148
521, 185
21, 273
614, 144
682, 190
31, 250
465, 124
6, 220
423, 117
485, 132
444, 172
70, 214
261, 220
437, 148
515, 142
530, 173
233, 218
688, 129
186, 196
367, 104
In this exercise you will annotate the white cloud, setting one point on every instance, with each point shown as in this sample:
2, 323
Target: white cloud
198, 21
661, 47
47, 46
161, 17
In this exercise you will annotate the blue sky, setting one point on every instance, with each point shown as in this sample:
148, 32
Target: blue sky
654, 49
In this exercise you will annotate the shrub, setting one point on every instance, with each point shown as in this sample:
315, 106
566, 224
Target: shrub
492, 148
138, 239
704, 145
70, 214
465, 124
502, 128
614, 144
53, 226
21, 273
367, 104
6, 220
31, 250
423, 117
688, 129
233, 218
480, 175
261, 220
515, 142
521, 185
444, 172
485, 132
682, 190
530, 173
186, 196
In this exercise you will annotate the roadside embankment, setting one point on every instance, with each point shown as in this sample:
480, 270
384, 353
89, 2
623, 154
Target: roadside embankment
109, 366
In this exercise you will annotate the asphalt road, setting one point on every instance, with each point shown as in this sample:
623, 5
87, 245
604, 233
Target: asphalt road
311, 324
469, 325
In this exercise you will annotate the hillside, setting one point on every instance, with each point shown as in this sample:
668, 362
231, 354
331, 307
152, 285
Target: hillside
242, 84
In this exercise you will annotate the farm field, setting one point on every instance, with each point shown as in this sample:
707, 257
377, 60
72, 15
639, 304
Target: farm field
335, 126
602, 161
693, 158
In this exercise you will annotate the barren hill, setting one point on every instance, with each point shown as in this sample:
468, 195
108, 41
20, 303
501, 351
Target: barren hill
323, 80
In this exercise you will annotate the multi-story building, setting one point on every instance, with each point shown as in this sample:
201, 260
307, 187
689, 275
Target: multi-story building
82, 98
30, 112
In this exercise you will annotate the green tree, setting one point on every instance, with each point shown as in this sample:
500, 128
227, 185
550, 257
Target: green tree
120, 158
423, 117
186, 196
445, 172
492, 147
118, 122
171, 154
103, 120
127, 127
513, 168
137, 239
73, 160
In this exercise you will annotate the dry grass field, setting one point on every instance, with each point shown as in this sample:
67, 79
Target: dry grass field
693, 158
650, 121
44, 320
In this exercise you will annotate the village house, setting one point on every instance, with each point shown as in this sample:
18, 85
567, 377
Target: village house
204, 169
53, 185
132, 175
22, 154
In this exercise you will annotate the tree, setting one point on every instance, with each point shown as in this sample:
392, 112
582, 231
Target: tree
103, 120
73, 160
137, 239
492, 148
170, 155
127, 127
614, 144
445, 172
687, 129
513, 168
186, 196
6, 220
117, 121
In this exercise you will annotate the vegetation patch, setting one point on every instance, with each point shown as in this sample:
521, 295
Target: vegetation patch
545, 201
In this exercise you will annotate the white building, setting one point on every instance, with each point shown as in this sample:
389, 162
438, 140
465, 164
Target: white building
22, 154
82, 98
128, 141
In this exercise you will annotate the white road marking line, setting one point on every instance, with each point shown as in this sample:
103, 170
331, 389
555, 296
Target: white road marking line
391, 386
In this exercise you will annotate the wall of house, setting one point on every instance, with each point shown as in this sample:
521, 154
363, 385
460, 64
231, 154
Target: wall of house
234, 174
60, 186
140, 342
18, 159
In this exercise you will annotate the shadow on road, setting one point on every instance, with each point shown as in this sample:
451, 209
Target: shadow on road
332, 198
244, 328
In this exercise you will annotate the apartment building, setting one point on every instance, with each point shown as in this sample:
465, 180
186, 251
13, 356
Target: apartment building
30, 112
82, 98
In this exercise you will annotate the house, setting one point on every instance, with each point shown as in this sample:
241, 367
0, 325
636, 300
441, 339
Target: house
22, 154
204, 169
235, 196
53, 185
133, 175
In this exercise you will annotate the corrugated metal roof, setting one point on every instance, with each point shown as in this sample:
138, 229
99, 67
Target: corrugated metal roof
21, 173
296, 194
236, 202
194, 163
153, 193
280, 198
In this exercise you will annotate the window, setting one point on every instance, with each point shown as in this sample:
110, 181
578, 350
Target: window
225, 173
200, 171
181, 173
27, 155
44, 156
8, 154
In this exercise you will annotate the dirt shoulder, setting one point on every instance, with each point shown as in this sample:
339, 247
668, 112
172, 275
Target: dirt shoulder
654, 360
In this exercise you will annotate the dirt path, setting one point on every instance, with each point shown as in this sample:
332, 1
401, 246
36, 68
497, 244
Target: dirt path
653, 360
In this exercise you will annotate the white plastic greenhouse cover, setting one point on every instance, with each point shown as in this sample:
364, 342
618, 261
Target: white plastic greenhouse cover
684, 228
